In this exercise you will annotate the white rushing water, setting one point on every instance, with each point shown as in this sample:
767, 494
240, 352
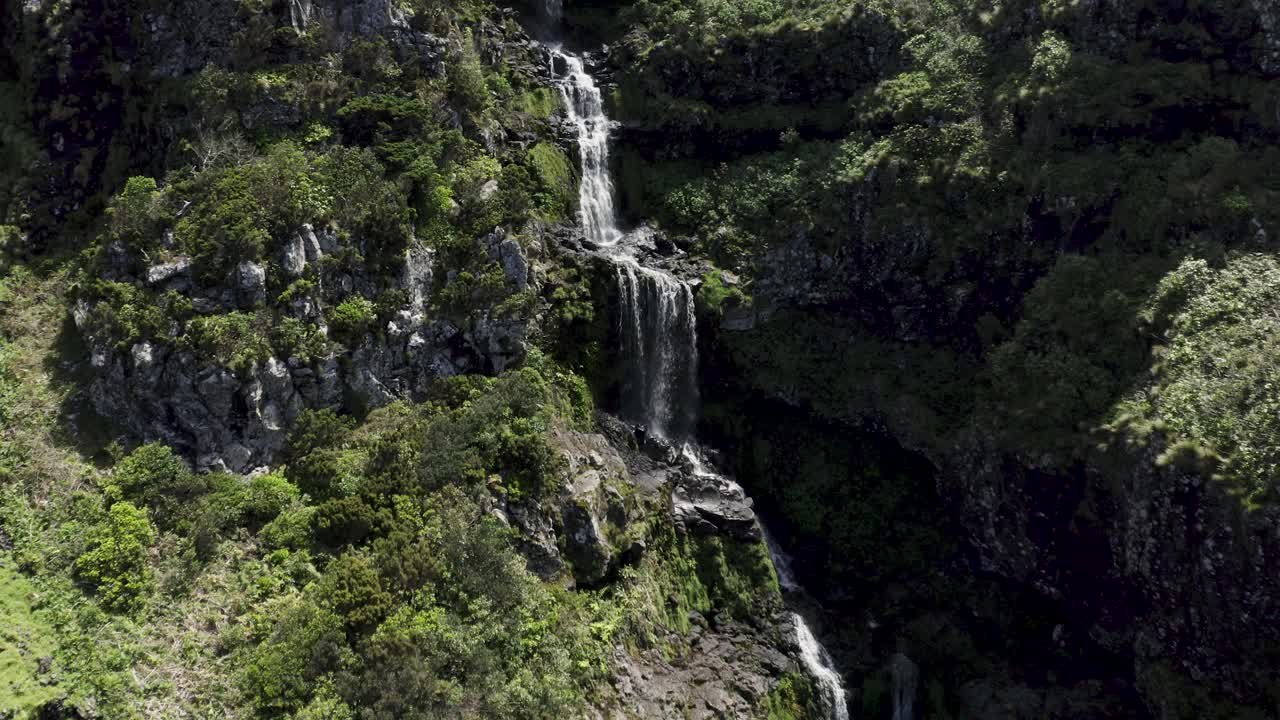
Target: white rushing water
819, 665
814, 656
658, 328
584, 105
781, 563
552, 10
656, 314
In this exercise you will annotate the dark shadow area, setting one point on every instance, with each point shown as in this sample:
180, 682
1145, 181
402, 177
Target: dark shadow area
71, 376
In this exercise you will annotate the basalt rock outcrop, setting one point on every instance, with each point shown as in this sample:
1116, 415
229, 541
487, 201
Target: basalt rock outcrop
236, 419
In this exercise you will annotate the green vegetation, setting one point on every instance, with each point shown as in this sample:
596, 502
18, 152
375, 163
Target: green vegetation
1025, 239
552, 169
352, 318
115, 560
715, 294
370, 145
1212, 390
25, 643
1045, 180
367, 576
795, 697
1030, 241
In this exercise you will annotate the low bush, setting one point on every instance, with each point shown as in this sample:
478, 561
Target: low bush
236, 340
352, 319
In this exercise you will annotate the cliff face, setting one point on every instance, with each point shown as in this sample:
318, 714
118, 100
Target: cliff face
984, 316
988, 269
236, 419
318, 280
333, 307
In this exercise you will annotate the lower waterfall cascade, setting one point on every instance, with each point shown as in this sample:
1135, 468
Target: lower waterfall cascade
905, 678
816, 658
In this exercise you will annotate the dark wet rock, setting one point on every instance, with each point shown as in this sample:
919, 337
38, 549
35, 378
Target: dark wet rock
714, 505
586, 547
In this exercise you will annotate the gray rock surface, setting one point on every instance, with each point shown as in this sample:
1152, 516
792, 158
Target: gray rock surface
612, 496
1269, 20
237, 421
721, 672
162, 272
250, 284
714, 505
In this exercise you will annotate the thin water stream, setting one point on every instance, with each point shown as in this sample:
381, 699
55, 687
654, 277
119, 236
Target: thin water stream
815, 657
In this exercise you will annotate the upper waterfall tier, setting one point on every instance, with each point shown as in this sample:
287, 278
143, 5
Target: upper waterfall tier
584, 105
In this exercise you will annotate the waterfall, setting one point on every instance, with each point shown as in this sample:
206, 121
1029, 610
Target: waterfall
814, 656
656, 315
658, 329
819, 664
656, 325
552, 11
584, 106
781, 563
905, 676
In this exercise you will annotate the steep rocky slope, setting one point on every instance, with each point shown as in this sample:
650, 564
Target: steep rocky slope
303, 451
306, 359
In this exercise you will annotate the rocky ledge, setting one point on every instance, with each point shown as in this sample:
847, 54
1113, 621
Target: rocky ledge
235, 419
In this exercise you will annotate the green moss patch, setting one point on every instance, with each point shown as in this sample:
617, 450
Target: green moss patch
25, 641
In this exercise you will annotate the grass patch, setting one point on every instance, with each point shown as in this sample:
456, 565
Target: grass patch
24, 639
554, 173
539, 102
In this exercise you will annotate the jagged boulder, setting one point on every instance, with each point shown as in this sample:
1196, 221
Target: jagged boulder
592, 509
714, 505
299, 250
586, 547
250, 284
237, 419
1269, 20
164, 272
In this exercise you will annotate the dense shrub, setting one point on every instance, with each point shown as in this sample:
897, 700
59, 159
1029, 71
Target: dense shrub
352, 318
300, 644
124, 314
155, 477
1076, 348
236, 340
555, 177
115, 563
